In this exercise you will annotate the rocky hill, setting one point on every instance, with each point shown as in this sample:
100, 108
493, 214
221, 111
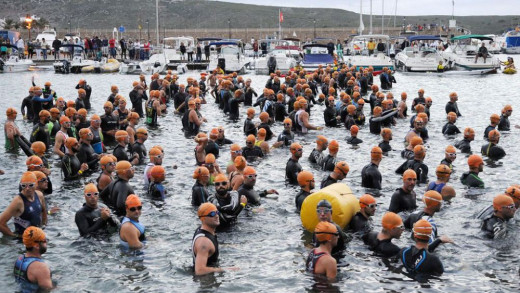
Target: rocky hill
175, 14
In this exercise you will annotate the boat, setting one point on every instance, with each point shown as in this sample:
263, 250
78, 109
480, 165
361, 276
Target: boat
229, 57
360, 57
49, 34
452, 73
172, 47
204, 42
14, 63
494, 46
512, 42
278, 59
155, 64
103, 66
130, 68
316, 55
76, 64
461, 54
419, 58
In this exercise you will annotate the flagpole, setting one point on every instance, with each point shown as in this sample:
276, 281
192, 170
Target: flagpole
370, 17
279, 25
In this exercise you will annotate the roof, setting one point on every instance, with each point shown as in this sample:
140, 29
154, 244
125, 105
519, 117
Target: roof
465, 37
225, 42
208, 39
424, 37
314, 45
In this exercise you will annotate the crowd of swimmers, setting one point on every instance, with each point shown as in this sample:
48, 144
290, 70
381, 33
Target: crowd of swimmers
107, 147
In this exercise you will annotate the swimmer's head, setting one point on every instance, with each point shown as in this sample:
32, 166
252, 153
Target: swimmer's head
325, 231
422, 230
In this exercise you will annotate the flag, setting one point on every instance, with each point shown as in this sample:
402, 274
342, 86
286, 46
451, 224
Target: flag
281, 15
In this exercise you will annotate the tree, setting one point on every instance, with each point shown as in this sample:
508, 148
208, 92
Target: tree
9, 23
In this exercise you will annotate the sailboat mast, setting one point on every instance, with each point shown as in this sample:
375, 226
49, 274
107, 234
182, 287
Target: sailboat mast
370, 17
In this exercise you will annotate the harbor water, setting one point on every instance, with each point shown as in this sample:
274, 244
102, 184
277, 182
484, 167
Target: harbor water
270, 246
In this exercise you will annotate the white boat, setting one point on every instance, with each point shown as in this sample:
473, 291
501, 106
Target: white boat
378, 60
49, 34
419, 58
15, 63
130, 68
512, 42
496, 45
229, 57
76, 64
155, 64
172, 47
103, 66
278, 59
316, 55
461, 54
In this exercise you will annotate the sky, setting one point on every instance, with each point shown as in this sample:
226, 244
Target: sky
404, 7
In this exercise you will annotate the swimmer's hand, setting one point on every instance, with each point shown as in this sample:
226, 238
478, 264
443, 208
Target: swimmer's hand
319, 128
445, 239
243, 199
54, 210
271, 191
234, 269
84, 167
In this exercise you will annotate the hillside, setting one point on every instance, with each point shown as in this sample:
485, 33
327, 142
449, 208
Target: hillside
174, 14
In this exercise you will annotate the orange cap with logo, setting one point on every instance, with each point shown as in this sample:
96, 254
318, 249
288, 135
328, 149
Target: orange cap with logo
205, 209
442, 171
132, 201
342, 167
432, 198
32, 235
502, 200
200, 171
422, 230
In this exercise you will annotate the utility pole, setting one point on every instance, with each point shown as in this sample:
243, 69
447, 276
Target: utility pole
314, 21
229, 27
148, 25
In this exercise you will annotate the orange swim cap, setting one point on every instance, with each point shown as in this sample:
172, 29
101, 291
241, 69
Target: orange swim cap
422, 230
354, 129
419, 150
451, 149
416, 140
32, 235
469, 132
200, 171
121, 135
205, 209
108, 104
287, 121
90, 188
64, 119
333, 145
386, 132
251, 138
33, 161
39, 175
249, 171
404, 96
376, 153
365, 200
419, 108
235, 147
304, 177
105, 160
324, 231
82, 92
44, 113
132, 201
514, 192
475, 161
361, 102
502, 200
295, 147
84, 132
54, 111
261, 133
221, 178
342, 167
141, 132
133, 116
409, 174
442, 171
493, 135
240, 162
157, 172
321, 140
494, 118
153, 152
421, 91
378, 110
432, 198
391, 220
263, 116
28, 177
210, 159
351, 109
82, 112
452, 116
122, 166
250, 111
38, 147
11, 112
70, 142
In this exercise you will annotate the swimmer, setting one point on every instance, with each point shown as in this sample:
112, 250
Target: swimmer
307, 184
407, 153
109, 123
361, 223
465, 145
98, 138
416, 164
11, 130
249, 125
229, 203
156, 159
386, 135
353, 139
91, 219
495, 227
199, 191
86, 153
200, 149
156, 189
30, 272
417, 258
504, 124
115, 194
138, 147
420, 99
491, 149
330, 114
35, 163
292, 167
443, 173
120, 151
471, 178
247, 188
324, 213
452, 106
40, 132
132, 232
370, 175
402, 107
494, 119
235, 151
251, 151
381, 242
133, 120
264, 123
329, 162
450, 154
236, 178
404, 198
450, 128
221, 137
107, 167
213, 167
320, 261
317, 156
286, 138
71, 167
339, 173
301, 119
212, 147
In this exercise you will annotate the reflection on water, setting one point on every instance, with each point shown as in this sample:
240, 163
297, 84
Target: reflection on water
269, 247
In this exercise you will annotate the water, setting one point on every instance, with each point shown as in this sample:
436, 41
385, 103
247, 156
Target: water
270, 247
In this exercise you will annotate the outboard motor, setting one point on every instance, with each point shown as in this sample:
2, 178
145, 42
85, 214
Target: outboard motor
271, 64
66, 66
222, 63
2, 65
157, 64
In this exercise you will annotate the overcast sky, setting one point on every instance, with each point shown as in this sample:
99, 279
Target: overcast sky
405, 7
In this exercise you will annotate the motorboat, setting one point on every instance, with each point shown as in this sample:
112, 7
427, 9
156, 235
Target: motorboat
278, 59
229, 57
496, 45
76, 64
49, 34
103, 66
155, 64
461, 54
14, 63
420, 56
512, 42
204, 42
361, 58
316, 55
172, 47
130, 68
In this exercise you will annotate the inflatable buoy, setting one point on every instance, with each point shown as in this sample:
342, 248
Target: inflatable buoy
344, 206
509, 71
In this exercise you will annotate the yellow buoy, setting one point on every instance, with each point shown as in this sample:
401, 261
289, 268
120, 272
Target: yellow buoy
344, 206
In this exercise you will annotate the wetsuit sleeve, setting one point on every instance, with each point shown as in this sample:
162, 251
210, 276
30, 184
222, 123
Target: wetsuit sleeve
120, 200
394, 203
83, 226
402, 168
66, 168
432, 246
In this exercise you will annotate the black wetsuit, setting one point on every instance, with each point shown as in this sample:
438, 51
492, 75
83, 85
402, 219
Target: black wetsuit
87, 155
450, 129
452, 107
329, 115
359, 117
504, 124
328, 181
115, 195
402, 201
316, 157
137, 101
140, 149
70, 166
229, 207
53, 129
40, 132
382, 247
385, 146
253, 197
90, 223
108, 123
156, 191
421, 261
371, 177
178, 99
151, 113
493, 151
189, 128
292, 169
447, 163
375, 125
300, 197
213, 259
212, 148
360, 225
222, 141
234, 104
418, 166
248, 96
287, 137
268, 132
280, 112
494, 227
471, 179
86, 99
199, 194
27, 103
252, 153
417, 101
464, 146
328, 163
354, 140
249, 127
120, 153
487, 130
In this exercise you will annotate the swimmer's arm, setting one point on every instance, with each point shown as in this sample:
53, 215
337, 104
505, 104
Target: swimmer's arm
57, 146
44, 207
331, 268
131, 236
42, 274
13, 210
204, 248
